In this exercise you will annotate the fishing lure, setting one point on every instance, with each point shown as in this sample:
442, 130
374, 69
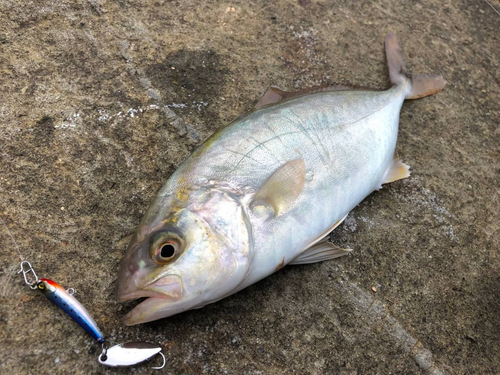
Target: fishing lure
121, 355
70, 305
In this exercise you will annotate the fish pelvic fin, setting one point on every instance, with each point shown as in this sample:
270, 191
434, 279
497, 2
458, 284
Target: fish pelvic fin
421, 84
319, 252
320, 249
324, 235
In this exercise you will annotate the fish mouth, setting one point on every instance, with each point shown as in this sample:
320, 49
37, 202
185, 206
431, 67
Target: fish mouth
141, 294
159, 294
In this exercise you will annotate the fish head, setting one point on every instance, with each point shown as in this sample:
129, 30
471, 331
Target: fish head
184, 256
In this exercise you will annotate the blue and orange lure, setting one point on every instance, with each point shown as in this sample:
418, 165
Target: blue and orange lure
70, 305
62, 298
121, 355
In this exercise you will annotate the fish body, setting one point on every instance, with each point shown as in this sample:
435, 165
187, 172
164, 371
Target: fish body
264, 192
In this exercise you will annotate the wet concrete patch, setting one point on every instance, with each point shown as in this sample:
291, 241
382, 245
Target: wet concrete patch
192, 81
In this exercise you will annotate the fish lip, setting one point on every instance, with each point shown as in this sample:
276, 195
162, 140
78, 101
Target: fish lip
135, 316
156, 289
164, 290
152, 297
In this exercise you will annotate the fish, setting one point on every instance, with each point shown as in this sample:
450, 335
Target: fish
265, 191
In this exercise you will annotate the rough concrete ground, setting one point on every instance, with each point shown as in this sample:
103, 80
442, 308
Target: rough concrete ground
102, 100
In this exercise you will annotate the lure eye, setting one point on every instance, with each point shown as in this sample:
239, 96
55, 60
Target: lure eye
165, 249
41, 286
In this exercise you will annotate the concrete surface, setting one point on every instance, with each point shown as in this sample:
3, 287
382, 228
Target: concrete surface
101, 100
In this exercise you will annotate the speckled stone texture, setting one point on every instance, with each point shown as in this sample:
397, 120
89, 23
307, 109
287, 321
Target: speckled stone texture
101, 101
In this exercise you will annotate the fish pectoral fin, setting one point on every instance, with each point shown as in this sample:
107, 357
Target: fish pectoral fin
282, 189
397, 171
323, 250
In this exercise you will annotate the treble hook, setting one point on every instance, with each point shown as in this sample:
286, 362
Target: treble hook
28, 279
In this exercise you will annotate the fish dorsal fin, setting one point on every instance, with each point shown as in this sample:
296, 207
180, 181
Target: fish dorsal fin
271, 96
319, 252
282, 189
397, 171
275, 95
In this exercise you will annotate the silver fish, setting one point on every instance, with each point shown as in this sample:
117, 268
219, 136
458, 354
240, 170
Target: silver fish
265, 191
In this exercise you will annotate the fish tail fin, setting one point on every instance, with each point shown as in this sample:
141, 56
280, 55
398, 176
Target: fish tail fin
421, 84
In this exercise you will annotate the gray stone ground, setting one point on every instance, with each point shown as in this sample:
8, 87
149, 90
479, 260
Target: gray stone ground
101, 101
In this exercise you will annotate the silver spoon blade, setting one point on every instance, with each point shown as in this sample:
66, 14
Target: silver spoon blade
129, 354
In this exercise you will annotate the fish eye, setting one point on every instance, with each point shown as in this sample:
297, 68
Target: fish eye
164, 252
165, 249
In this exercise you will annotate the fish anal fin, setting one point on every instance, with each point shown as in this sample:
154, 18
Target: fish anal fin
397, 171
319, 252
283, 187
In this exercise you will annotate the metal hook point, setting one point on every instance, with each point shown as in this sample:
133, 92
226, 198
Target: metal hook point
164, 362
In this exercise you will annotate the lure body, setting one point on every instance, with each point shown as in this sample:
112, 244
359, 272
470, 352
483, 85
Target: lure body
70, 305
